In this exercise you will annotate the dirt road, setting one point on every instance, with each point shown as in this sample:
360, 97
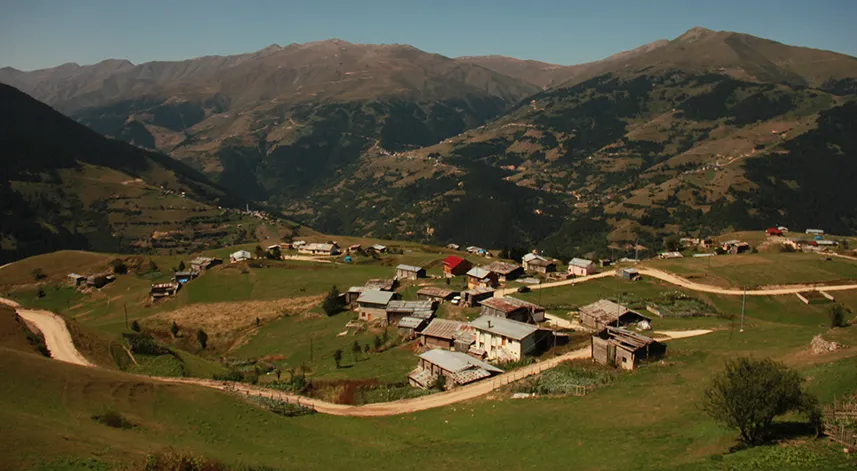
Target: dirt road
763, 291
61, 347
553, 284
57, 337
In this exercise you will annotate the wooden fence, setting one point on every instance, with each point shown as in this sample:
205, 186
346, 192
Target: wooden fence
840, 421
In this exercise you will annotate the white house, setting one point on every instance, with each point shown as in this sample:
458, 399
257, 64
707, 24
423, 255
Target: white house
320, 249
500, 339
240, 256
581, 267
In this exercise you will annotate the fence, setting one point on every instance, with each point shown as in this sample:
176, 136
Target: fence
840, 421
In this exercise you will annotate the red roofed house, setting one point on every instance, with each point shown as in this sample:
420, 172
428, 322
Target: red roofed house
773, 231
455, 266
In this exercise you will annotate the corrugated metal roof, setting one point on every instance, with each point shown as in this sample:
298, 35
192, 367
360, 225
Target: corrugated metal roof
478, 291
631, 339
478, 272
453, 261
580, 262
410, 322
444, 328
409, 306
412, 268
356, 289
436, 291
374, 296
504, 327
456, 361
604, 310
377, 283
507, 304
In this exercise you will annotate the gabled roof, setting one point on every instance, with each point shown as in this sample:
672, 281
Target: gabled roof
604, 310
380, 283
444, 328
507, 304
504, 327
356, 289
374, 296
479, 272
580, 262
412, 268
456, 361
629, 339
409, 306
453, 261
531, 256
436, 291
502, 268
242, 253
541, 262
478, 291
410, 322
319, 246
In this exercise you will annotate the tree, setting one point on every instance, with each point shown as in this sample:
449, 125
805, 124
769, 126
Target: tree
135, 326
355, 349
337, 357
366, 349
332, 302
278, 373
153, 267
837, 315
672, 243
202, 337
181, 266
174, 329
376, 342
38, 274
274, 253
750, 393
260, 252
118, 266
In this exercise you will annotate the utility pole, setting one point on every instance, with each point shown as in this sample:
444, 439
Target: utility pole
743, 308
310, 349
125, 308
709, 266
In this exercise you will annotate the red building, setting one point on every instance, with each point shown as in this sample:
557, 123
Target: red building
455, 266
773, 231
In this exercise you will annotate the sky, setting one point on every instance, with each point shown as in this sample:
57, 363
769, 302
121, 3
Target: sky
41, 33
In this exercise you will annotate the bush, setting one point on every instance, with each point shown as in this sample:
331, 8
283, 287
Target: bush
38, 274
118, 266
112, 418
332, 303
837, 316
174, 329
749, 394
135, 326
202, 337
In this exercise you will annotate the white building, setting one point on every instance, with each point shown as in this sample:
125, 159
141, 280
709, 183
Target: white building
500, 339
240, 256
581, 267
320, 249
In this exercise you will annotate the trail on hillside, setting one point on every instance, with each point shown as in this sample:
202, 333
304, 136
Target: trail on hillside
60, 345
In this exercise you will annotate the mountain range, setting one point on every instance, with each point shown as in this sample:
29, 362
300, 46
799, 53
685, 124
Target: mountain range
708, 131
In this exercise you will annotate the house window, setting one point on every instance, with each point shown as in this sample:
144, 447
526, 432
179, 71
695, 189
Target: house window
624, 359
504, 341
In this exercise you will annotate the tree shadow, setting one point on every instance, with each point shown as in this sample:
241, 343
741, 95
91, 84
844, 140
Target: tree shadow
780, 431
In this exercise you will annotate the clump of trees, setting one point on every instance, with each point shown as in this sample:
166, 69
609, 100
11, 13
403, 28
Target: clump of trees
749, 394
38, 274
837, 316
332, 303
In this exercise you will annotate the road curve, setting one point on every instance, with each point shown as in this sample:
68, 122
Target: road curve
60, 345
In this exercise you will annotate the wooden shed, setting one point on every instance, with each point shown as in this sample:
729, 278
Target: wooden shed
605, 313
624, 349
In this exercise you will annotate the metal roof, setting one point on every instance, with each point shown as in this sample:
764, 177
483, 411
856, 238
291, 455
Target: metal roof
580, 262
604, 310
504, 327
478, 272
436, 291
453, 261
378, 283
375, 296
541, 261
356, 289
242, 253
409, 306
507, 304
456, 361
410, 322
478, 291
628, 338
501, 268
412, 268
444, 328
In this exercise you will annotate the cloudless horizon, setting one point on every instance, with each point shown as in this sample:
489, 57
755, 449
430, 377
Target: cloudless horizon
39, 34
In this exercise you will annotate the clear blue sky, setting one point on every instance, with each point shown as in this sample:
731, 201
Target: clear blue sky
41, 33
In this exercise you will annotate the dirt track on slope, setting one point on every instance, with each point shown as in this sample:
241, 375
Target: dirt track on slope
57, 337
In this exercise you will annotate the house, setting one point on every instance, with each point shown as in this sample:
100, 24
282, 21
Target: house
581, 267
396, 310
500, 339
538, 264
240, 256
379, 248
505, 271
455, 266
440, 333
204, 263
734, 247
354, 248
320, 249
99, 280
773, 231
381, 284
512, 308
473, 297
410, 272
457, 368
372, 304
353, 293
783, 229
628, 274
670, 255
298, 244
436, 294
185, 275
689, 241
814, 232
162, 290
478, 277
605, 313
453, 246
285, 246
624, 349
76, 280
824, 243
477, 250
273, 249
409, 327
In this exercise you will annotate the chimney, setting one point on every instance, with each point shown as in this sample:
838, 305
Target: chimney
489, 323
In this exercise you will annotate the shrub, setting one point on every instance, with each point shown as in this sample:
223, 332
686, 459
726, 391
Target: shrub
118, 266
135, 326
337, 357
202, 337
749, 394
174, 329
332, 303
837, 316
112, 418
38, 274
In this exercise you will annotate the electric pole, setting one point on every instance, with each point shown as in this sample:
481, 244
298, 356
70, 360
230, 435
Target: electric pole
743, 308
125, 308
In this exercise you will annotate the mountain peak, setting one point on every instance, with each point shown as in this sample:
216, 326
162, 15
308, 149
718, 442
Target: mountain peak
694, 33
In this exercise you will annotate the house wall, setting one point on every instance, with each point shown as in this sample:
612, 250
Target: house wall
371, 312
599, 350
625, 359
492, 344
434, 342
393, 317
578, 271
406, 275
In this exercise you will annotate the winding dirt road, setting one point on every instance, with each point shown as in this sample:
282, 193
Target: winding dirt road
57, 337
